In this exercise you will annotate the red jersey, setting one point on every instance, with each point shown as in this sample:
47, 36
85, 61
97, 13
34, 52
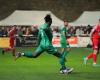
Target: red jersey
12, 33
95, 33
12, 37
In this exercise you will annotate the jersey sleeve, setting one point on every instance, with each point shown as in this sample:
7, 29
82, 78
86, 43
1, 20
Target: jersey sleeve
93, 30
12, 32
39, 38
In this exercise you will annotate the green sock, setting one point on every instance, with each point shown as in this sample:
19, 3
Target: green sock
62, 62
65, 53
29, 55
62, 59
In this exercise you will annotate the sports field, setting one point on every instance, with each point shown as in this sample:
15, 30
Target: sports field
46, 67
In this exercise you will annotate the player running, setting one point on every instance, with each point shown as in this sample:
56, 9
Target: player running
11, 34
64, 44
95, 38
45, 44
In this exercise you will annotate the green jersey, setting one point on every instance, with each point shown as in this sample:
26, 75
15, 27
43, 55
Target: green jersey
45, 36
63, 32
63, 35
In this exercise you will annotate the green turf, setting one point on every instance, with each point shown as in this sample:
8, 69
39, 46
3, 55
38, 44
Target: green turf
46, 67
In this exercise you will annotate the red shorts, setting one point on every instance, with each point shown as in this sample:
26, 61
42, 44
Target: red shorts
95, 43
12, 43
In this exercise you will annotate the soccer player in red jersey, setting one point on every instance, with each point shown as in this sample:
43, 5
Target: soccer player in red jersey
11, 34
95, 38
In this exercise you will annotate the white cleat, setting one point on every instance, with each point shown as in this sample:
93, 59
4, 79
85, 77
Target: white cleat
17, 55
70, 70
66, 71
94, 64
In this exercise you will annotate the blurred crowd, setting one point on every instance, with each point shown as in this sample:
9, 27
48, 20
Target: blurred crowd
21, 30
76, 31
33, 30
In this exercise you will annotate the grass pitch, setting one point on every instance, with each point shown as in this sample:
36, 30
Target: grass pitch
46, 67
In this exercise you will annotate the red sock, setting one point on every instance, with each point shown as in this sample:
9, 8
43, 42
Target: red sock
94, 58
7, 49
90, 56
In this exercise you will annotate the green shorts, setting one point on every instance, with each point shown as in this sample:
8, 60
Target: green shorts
64, 44
50, 49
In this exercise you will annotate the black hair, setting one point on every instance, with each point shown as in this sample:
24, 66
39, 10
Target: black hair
48, 18
65, 20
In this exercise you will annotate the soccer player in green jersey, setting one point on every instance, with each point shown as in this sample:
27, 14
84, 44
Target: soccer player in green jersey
45, 44
63, 40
